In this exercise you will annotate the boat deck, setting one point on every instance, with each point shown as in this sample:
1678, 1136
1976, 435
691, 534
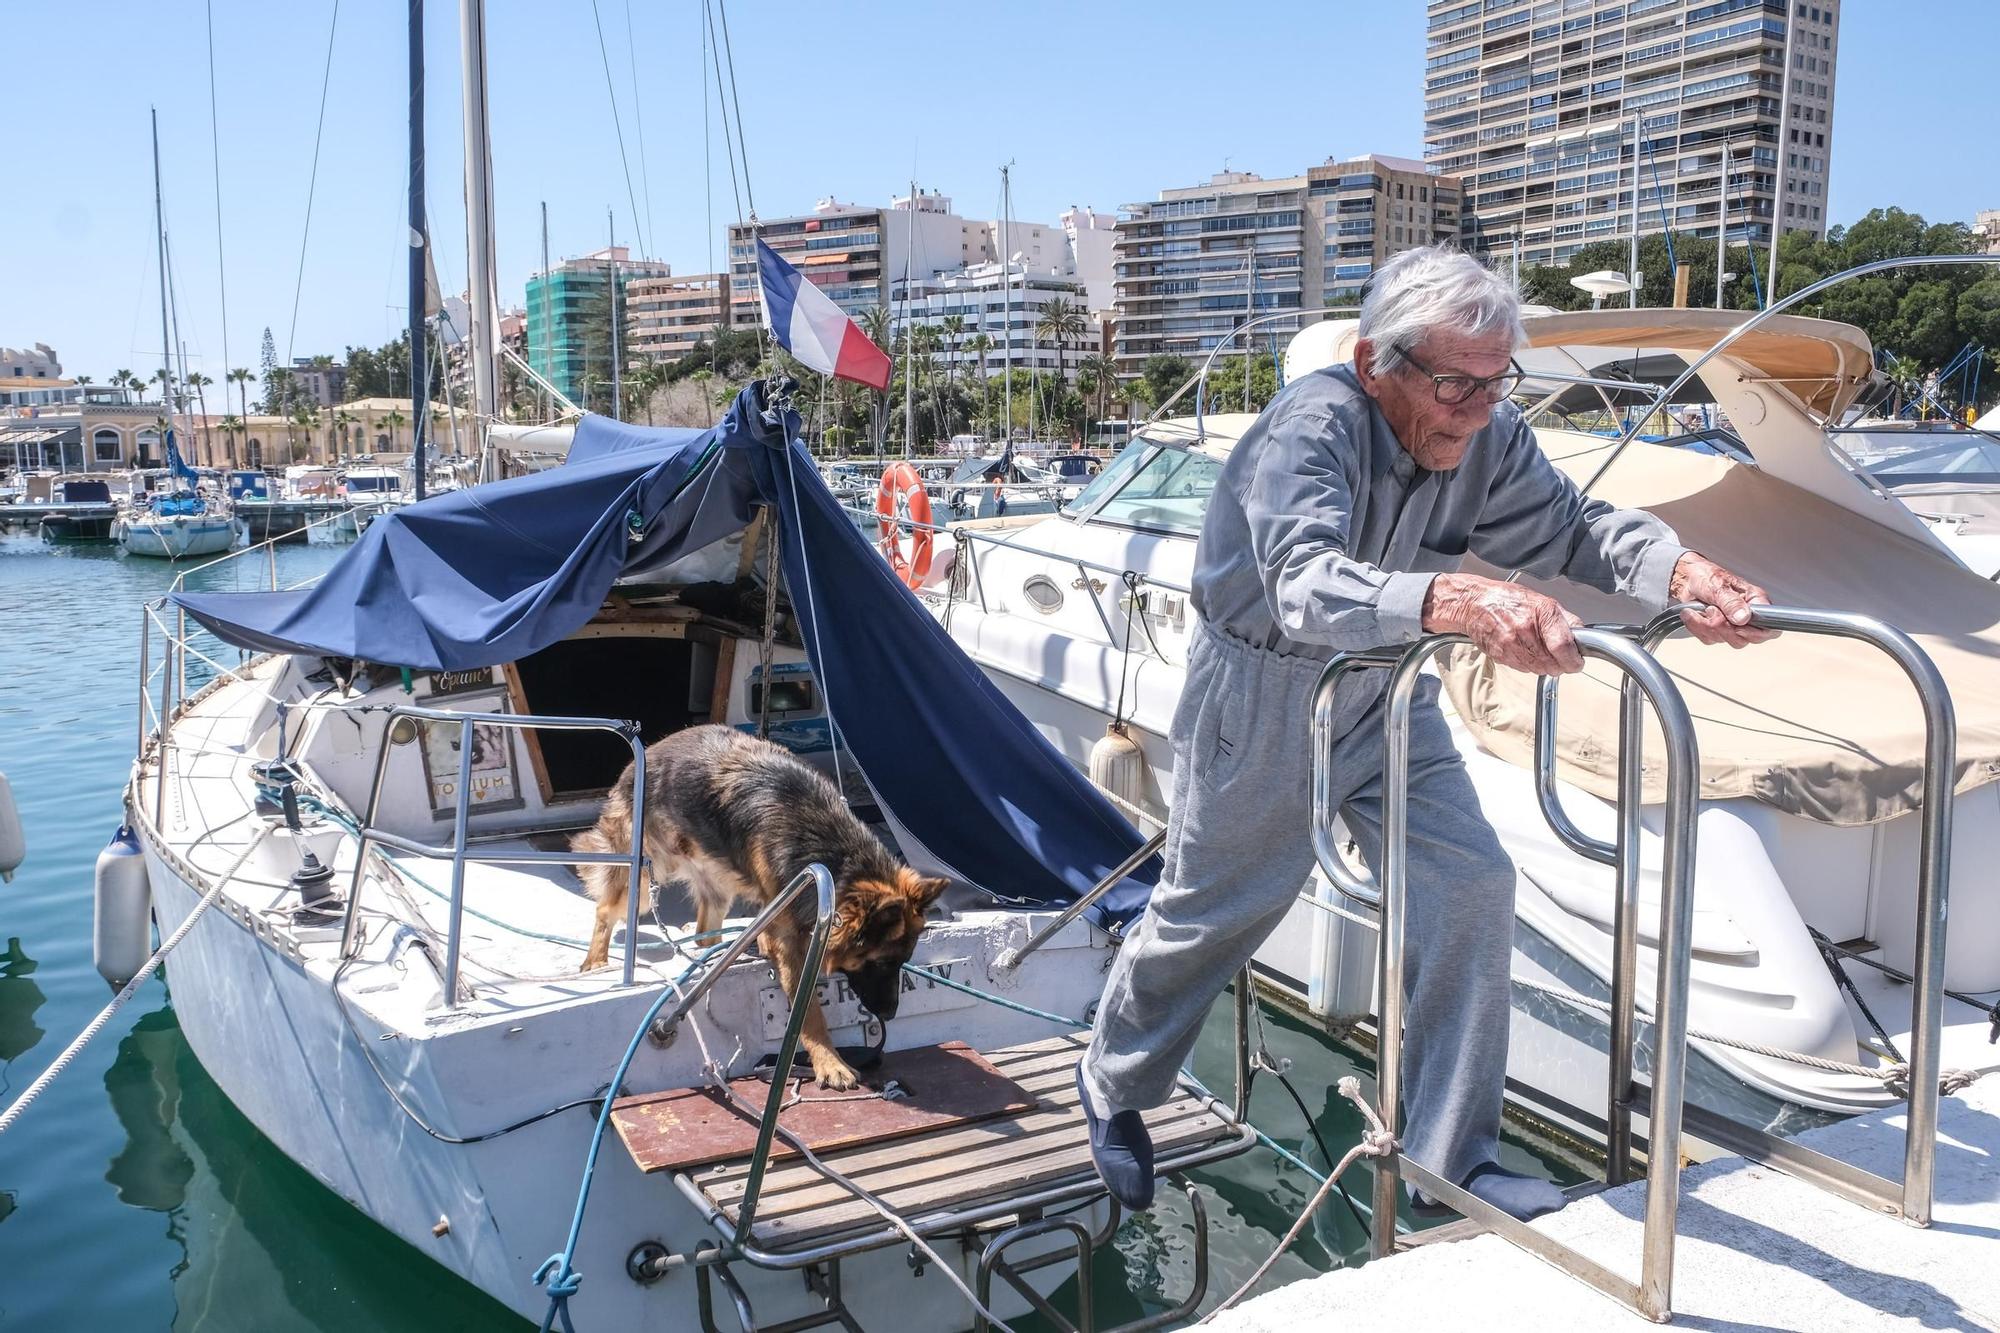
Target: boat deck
942, 1180
1757, 1249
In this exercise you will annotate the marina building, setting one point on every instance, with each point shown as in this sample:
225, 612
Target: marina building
859, 255
665, 317
979, 301
32, 377
569, 316
1537, 105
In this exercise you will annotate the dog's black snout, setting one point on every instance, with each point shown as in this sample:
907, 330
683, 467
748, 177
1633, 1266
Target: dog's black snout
879, 986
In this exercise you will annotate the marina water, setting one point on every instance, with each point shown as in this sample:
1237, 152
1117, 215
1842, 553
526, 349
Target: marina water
133, 1195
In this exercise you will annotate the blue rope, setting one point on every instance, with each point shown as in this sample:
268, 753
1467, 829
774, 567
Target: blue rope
991, 998
555, 1274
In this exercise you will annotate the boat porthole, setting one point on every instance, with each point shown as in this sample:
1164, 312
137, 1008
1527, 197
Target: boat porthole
1043, 594
402, 731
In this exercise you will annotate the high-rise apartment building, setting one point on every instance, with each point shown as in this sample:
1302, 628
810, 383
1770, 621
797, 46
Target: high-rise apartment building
1197, 263
1373, 207
1534, 103
569, 317
666, 317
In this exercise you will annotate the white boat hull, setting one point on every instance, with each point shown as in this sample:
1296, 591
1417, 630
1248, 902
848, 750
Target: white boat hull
177, 538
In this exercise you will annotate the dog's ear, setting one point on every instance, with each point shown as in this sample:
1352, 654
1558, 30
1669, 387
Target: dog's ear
850, 917
920, 890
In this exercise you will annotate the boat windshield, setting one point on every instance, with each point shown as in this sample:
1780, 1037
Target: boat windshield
1148, 486
1935, 458
367, 483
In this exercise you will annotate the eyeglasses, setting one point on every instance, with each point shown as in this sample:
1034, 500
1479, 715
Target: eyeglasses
1453, 389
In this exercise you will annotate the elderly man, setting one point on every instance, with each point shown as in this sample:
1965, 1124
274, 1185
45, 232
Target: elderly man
1339, 523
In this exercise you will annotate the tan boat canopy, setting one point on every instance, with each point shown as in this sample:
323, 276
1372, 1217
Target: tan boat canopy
1821, 362
1821, 727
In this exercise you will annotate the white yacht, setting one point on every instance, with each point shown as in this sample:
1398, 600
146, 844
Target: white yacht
1805, 908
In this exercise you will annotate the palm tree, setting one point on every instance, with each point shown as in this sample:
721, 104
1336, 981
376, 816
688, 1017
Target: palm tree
344, 421
978, 345
953, 328
230, 425
395, 421
646, 380
124, 382
241, 378
197, 381
1061, 322
1102, 371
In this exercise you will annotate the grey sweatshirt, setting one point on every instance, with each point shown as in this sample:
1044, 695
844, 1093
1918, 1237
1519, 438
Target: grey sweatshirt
1324, 535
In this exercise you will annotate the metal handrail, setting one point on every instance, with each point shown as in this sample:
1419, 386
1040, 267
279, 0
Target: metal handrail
1652, 1294
1009, 959
1331, 862
460, 852
806, 983
1913, 1200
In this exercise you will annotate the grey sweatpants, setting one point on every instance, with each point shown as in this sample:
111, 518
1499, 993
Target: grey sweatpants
1238, 850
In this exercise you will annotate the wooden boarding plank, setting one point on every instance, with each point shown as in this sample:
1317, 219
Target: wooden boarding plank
1058, 1116
929, 1174
947, 1085
1036, 1129
961, 1191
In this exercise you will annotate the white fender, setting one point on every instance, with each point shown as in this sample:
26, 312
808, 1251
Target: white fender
122, 934
13, 845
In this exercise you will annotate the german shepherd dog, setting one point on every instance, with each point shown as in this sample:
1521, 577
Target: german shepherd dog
734, 817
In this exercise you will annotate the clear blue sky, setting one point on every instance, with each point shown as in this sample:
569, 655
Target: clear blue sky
1097, 102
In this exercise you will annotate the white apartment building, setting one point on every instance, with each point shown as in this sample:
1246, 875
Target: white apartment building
1093, 242
980, 298
1534, 103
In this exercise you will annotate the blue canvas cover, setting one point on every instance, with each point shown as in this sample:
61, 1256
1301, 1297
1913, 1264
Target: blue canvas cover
492, 573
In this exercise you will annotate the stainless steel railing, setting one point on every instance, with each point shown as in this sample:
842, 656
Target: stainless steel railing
460, 852
1912, 1197
1652, 1294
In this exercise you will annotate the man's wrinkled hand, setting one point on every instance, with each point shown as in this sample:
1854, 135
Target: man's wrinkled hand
1515, 626
1727, 599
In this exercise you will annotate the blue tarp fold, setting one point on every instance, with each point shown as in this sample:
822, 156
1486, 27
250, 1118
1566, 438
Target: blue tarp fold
492, 573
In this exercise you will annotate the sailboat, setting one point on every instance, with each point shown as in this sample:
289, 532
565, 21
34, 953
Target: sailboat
182, 519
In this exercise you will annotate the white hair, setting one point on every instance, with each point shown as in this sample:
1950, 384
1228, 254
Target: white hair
1429, 288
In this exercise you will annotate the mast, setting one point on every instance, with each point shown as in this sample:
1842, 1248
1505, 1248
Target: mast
617, 361
480, 276
1632, 297
909, 330
1007, 302
1722, 224
547, 369
160, 238
1778, 160
420, 351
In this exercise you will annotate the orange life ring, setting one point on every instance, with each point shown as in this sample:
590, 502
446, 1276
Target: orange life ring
902, 499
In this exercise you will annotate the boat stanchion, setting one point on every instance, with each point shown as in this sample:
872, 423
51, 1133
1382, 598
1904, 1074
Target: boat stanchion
121, 937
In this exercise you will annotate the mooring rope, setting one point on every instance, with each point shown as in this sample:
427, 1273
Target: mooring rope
130, 988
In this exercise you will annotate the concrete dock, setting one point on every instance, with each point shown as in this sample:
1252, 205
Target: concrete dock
1757, 1250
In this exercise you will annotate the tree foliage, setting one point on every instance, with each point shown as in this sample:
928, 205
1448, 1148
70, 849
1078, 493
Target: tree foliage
1920, 316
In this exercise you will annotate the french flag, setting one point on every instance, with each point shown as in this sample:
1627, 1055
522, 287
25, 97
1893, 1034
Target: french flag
812, 328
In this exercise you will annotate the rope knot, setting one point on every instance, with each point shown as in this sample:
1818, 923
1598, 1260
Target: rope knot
561, 1280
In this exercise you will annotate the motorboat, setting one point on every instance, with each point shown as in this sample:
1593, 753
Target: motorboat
78, 510
372, 491
1007, 483
381, 809
1805, 885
